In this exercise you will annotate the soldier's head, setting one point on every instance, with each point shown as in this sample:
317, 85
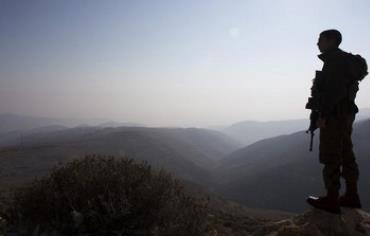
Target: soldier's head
329, 39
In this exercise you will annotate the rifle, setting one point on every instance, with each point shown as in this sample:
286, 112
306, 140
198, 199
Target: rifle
314, 116
313, 104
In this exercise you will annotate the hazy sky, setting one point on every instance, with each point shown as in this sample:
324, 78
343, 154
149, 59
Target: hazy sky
156, 62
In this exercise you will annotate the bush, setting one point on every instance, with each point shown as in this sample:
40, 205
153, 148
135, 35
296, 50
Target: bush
106, 196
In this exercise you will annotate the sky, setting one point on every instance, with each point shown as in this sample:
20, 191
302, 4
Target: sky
170, 62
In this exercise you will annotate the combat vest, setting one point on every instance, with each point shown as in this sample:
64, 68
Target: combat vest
355, 71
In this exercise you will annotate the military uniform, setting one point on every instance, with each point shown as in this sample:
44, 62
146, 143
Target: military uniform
336, 148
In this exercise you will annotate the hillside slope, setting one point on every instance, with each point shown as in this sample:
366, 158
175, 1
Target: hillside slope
248, 132
279, 173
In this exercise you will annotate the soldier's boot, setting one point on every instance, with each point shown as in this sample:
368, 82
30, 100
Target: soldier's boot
329, 203
350, 198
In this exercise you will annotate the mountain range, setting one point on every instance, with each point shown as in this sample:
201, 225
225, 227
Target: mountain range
10, 122
189, 153
272, 173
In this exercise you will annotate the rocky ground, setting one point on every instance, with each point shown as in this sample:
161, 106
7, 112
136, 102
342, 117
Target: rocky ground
352, 222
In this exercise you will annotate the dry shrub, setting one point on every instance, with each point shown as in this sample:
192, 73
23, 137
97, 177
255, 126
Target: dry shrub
106, 196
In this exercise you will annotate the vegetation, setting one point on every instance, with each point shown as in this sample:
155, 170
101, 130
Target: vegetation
105, 196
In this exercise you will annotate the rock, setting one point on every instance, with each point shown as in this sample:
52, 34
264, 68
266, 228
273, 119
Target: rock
315, 222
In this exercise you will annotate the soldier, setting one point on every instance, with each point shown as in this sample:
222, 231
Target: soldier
336, 111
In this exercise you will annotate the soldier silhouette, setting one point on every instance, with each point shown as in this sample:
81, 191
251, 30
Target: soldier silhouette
333, 103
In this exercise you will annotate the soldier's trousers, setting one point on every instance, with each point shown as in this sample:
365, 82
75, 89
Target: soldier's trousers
336, 152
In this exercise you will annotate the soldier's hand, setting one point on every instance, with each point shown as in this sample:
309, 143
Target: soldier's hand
321, 123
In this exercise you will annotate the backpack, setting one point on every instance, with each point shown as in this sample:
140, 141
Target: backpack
357, 71
357, 67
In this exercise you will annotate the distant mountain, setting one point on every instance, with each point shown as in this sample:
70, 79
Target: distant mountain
248, 132
279, 173
188, 153
114, 124
13, 122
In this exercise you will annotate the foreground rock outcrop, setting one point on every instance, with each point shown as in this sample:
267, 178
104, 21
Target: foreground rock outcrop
352, 222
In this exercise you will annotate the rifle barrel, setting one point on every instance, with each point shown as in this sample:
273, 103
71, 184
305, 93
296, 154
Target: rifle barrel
311, 142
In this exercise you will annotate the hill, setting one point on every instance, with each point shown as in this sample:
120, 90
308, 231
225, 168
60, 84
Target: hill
278, 173
190, 154
248, 132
